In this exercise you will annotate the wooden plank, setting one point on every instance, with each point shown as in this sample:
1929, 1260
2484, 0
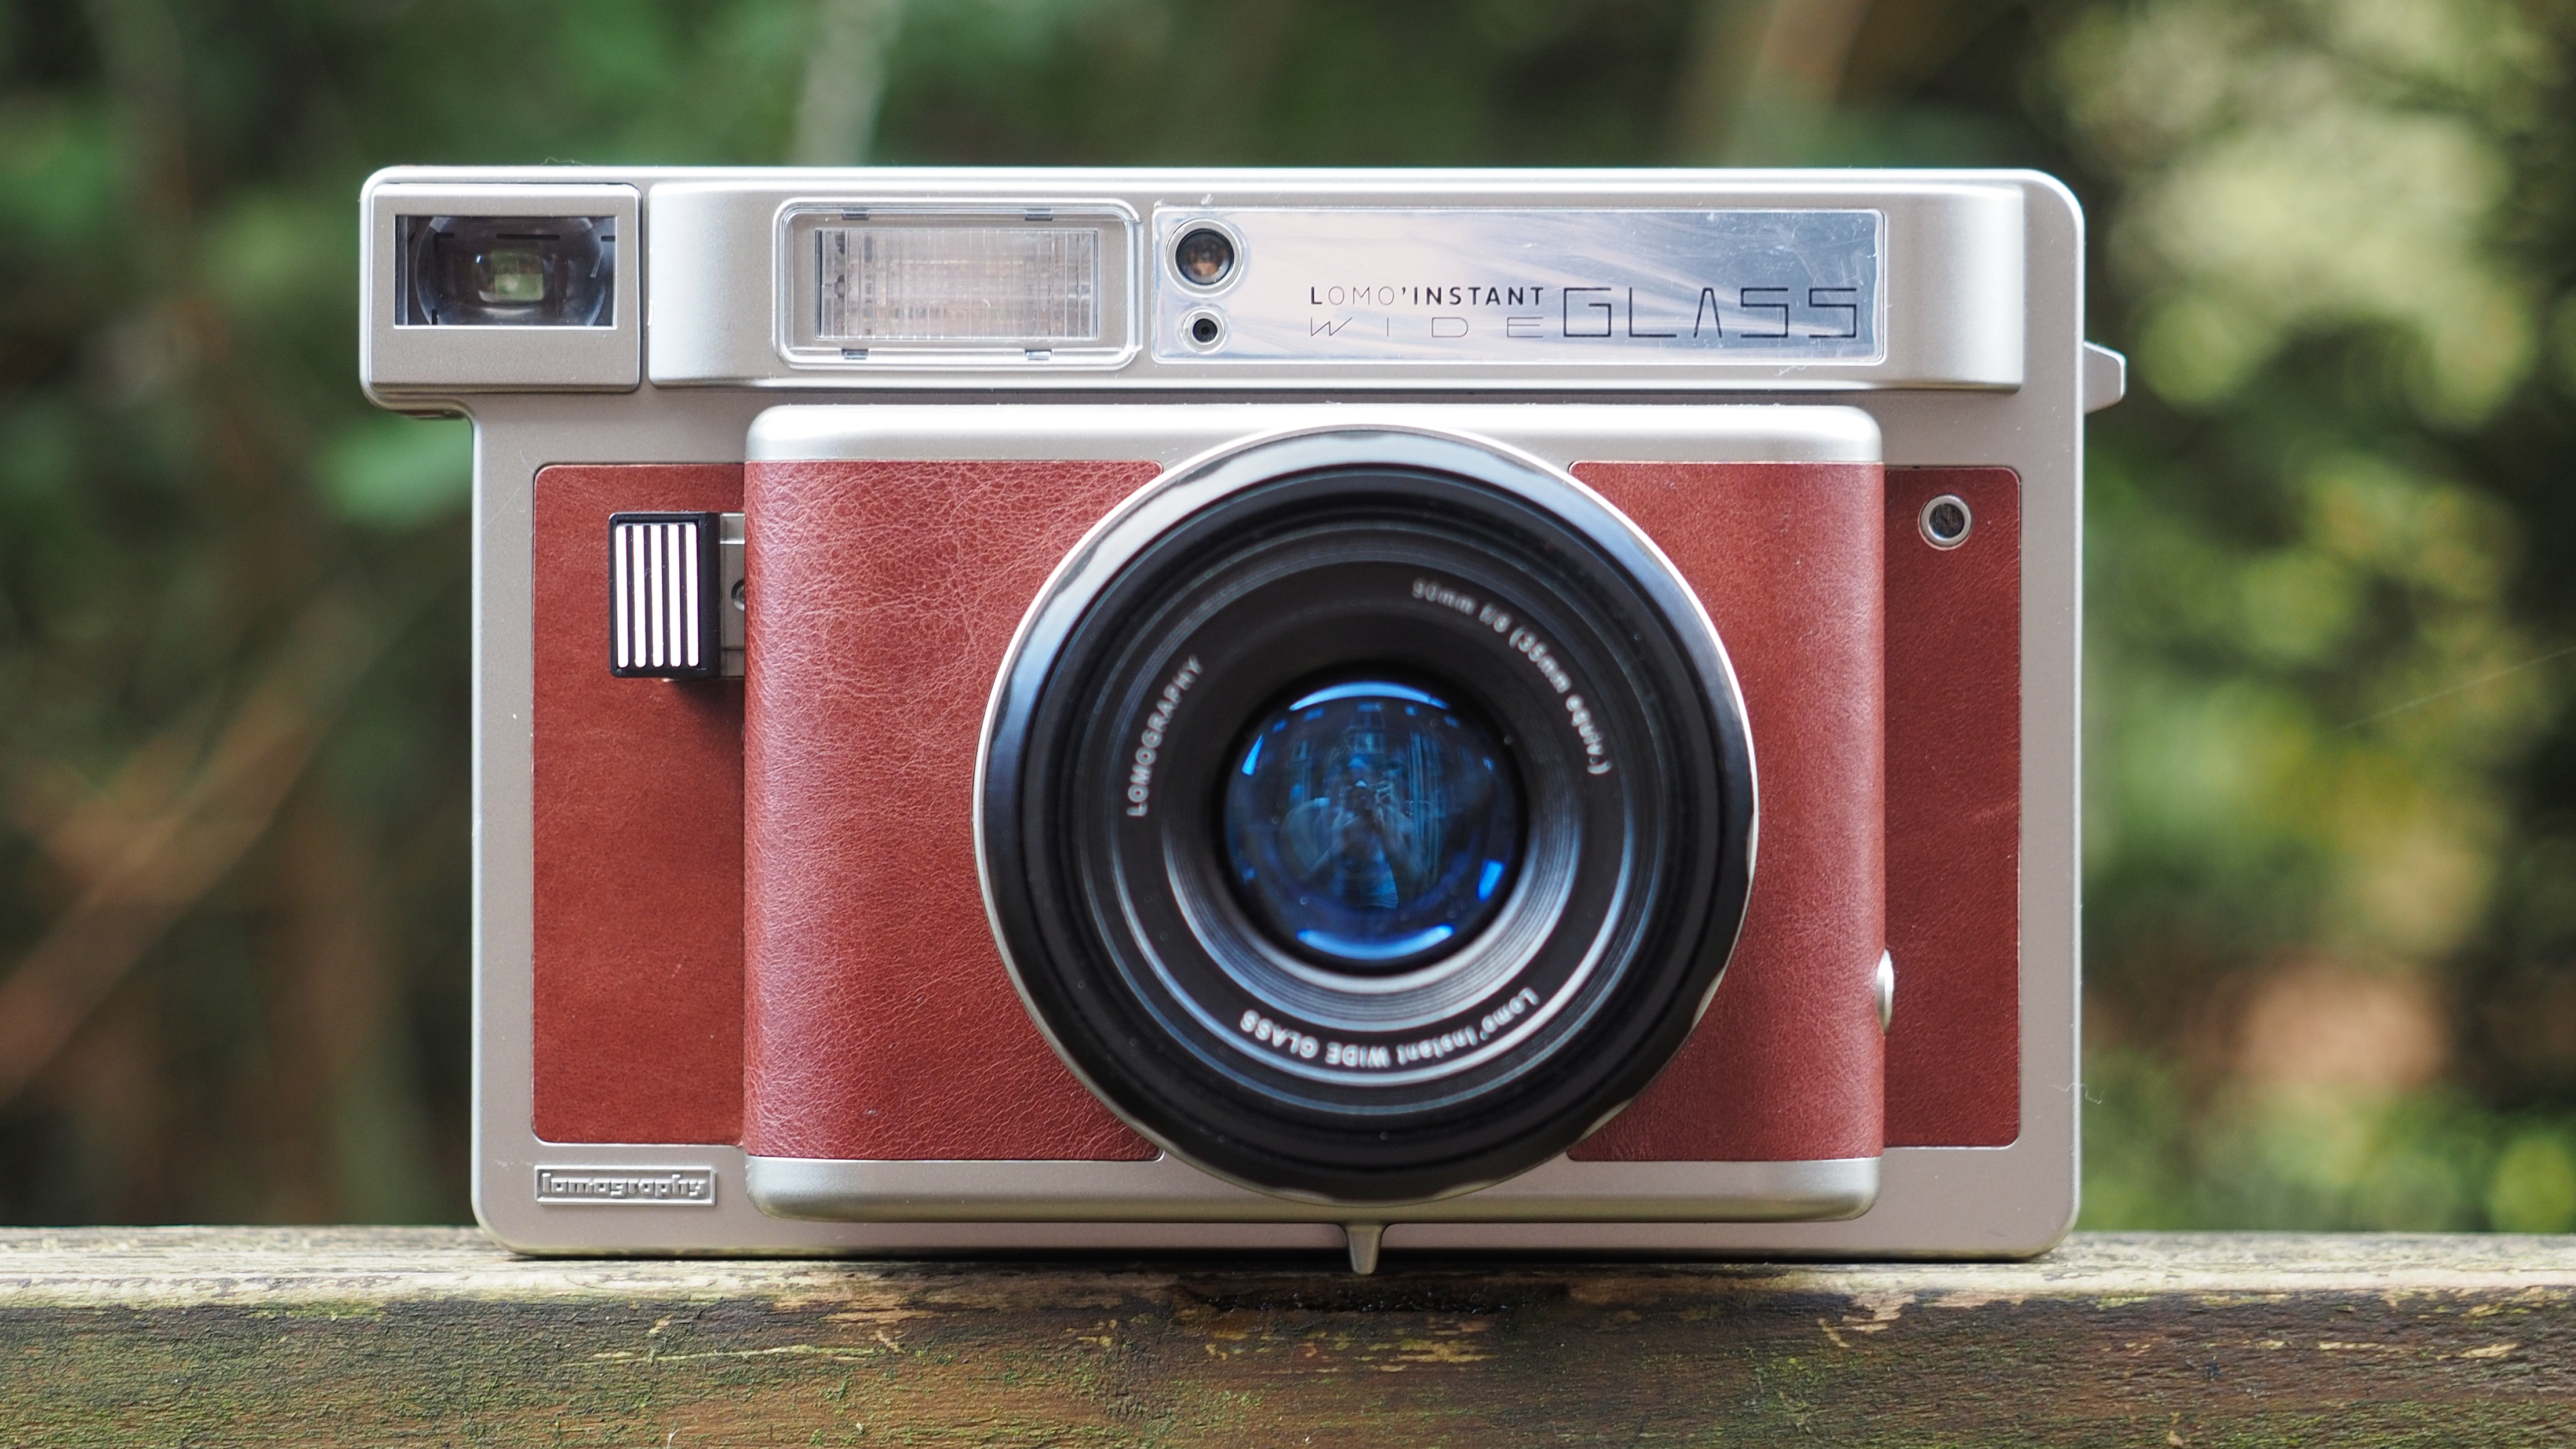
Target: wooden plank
377, 1336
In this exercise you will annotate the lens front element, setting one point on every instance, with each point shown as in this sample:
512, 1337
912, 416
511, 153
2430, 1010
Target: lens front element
1372, 824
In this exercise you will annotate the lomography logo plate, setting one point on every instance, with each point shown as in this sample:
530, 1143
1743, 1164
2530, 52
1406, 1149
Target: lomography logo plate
627, 1186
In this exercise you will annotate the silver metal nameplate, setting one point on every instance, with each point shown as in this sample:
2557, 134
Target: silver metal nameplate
1346, 285
627, 1186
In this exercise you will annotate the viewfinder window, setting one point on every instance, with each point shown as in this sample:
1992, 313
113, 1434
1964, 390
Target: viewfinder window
508, 271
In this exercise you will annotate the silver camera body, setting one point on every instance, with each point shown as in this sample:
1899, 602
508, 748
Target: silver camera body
786, 482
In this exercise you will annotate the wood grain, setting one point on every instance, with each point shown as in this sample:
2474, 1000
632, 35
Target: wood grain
382, 1336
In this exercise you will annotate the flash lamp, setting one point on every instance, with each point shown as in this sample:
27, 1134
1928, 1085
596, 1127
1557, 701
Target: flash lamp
1024, 285
895, 287
508, 271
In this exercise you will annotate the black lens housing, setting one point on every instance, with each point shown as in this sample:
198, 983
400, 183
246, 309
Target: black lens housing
1177, 625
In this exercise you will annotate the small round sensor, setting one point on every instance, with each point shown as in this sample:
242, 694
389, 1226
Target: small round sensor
1203, 329
1205, 256
1945, 521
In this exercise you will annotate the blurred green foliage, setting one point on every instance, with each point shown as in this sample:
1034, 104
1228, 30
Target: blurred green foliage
2331, 788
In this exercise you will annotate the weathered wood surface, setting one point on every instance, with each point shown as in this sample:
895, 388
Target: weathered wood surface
359, 1336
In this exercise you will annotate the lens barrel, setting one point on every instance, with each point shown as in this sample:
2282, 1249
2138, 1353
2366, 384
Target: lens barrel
1366, 816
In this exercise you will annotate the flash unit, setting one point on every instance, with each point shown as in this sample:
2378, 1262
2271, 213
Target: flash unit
1015, 284
993, 285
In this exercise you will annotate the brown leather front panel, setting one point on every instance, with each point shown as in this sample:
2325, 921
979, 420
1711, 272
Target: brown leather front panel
1786, 557
638, 844
881, 1021
1954, 813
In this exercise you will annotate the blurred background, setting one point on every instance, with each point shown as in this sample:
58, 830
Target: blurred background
2331, 778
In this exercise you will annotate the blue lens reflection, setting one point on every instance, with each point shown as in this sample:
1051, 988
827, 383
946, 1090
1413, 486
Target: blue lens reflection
1368, 830
1366, 690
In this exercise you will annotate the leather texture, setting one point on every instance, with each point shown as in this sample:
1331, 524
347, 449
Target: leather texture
881, 1022
1788, 560
1954, 813
638, 962
638, 844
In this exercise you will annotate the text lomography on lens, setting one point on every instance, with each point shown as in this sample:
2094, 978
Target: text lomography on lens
1372, 824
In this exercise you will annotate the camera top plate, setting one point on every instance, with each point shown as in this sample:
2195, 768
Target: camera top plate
1555, 282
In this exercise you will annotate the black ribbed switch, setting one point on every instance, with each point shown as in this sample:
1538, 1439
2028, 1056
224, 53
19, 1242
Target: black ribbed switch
663, 592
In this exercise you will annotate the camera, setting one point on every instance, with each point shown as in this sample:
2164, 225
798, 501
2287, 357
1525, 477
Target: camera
1240, 709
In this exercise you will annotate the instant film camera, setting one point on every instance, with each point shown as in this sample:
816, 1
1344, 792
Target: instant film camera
1260, 709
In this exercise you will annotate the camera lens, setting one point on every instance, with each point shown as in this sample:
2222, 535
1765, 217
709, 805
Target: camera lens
1366, 816
1205, 256
1371, 824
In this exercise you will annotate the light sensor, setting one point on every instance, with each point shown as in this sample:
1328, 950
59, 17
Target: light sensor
1945, 521
1205, 256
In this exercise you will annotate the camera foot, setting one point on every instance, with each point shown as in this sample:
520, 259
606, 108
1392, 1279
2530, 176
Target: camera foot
1363, 1238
